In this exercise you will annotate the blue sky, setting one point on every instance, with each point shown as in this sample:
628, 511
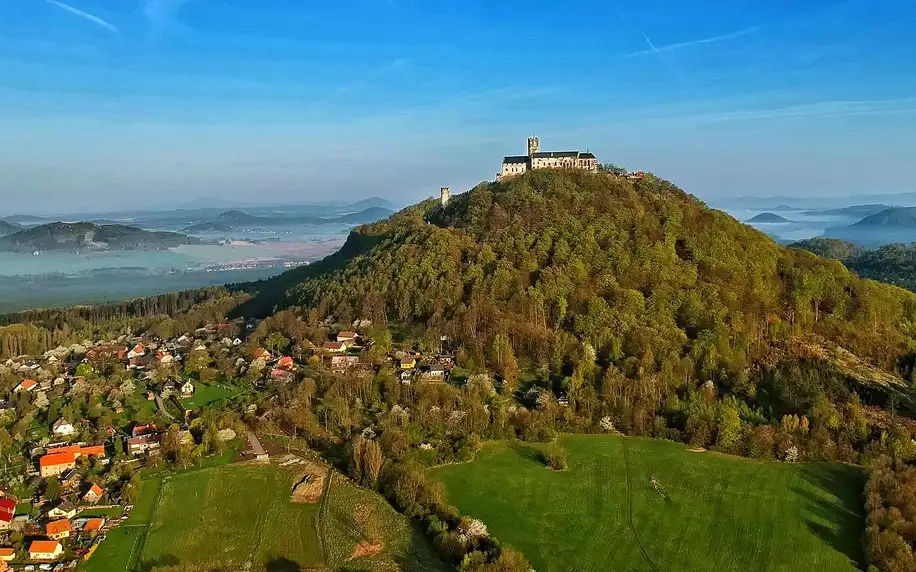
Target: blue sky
112, 103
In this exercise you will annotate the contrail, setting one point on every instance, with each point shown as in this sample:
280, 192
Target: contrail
86, 16
710, 40
654, 50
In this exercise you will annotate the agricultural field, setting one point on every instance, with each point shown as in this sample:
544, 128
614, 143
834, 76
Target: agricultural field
238, 514
644, 505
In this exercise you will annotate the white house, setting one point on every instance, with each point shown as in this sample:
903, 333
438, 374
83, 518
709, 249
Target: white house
63, 428
187, 389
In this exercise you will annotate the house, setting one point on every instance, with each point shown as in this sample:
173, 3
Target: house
334, 347
259, 453
45, 550
53, 464
137, 351
285, 363
26, 385
408, 362
64, 509
7, 512
406, 377
143, 444
58, 529
63, 428
165, 358
436, 372
7, 553
261, 353
187, 389
142, 430
94, 494
93, 526
282, 375
71, 479
343, 363
346, 337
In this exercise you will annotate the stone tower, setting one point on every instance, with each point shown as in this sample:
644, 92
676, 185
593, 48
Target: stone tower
533, 145
444, 195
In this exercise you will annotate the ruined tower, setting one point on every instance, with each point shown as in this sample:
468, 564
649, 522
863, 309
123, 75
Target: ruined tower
444, 195
533, 145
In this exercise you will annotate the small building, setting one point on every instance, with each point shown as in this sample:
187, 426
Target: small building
259, 453
94, 494
349, 337
261, 353
54, 464
436, 372
286, 363
58, 529
343, 363
137, 351
45, 550
63, 428
334, 347
187, 389
71, 479
64, 509
26, 385
143, 444
7, 512
92, 526
408, 362
7, 553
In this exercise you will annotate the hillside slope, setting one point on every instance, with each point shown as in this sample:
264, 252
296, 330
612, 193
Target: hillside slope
645, 274
86, 235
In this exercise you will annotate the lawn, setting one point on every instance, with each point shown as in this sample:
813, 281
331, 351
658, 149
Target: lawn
234, 514
205, 394
721, 513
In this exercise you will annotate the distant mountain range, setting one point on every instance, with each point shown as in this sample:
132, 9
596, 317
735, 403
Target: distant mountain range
768, 218
860, 211
893, 225
60, 236
235, 219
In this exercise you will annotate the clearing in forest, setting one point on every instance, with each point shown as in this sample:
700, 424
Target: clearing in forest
645, 505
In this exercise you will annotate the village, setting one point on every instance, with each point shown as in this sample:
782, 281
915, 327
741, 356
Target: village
81, 425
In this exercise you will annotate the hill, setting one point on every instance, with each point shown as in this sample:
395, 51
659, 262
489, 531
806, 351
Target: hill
833, 248
235, 220
893, 263
8, 228
904, 217
642, 272
86, 235
889, 226
768, 218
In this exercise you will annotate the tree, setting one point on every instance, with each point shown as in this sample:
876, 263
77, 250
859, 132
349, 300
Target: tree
53, 489
556, 457
276, 343
504, 360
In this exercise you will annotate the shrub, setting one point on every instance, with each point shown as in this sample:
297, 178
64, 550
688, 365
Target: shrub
556, 457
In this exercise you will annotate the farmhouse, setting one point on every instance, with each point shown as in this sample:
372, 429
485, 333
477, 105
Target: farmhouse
63, 428
7, 512
94, 494
45, 550
58, 529
334, 347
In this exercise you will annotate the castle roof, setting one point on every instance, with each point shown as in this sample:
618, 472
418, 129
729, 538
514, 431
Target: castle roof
518, 159
555, 154
587, 155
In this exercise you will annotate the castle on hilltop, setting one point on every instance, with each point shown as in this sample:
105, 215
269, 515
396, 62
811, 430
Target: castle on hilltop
537, 159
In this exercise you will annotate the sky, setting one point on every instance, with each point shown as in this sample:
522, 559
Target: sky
152, 103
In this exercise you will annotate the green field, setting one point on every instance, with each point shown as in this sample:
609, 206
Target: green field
721, 513
205, 394
236, 514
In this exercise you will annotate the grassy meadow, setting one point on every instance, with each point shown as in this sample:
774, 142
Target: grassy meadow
644, 505
239, 514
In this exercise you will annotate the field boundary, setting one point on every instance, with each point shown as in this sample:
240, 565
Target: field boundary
320, 516
626, 466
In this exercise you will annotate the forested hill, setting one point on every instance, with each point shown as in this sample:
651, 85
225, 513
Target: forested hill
892, 263
87, 235
640, 272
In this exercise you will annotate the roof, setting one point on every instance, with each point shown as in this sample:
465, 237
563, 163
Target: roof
54, 459
333, 345
346, 335
516, 159
587, 155
7, 504
93, 450
93, 524
44, 546
61, 423
261, 352
58, 526
28, 383
96, 490
555, 154
7, 551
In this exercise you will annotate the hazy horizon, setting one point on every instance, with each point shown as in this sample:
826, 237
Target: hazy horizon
108, 105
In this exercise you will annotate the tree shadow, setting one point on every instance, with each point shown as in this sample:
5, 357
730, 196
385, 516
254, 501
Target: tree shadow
528, 452
280, 564
846, 510
163, 561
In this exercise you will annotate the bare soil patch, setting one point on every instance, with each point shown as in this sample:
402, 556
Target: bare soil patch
365, 549
309, 483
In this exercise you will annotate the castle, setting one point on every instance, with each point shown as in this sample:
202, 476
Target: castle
536, 159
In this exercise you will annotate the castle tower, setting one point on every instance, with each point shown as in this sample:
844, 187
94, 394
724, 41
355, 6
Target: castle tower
444, 195
533, 145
